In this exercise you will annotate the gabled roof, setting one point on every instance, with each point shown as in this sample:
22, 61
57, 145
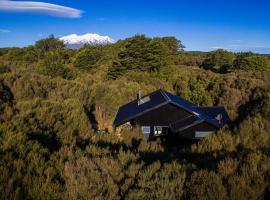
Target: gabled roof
185, 123
215, 111
161, 97
132, 110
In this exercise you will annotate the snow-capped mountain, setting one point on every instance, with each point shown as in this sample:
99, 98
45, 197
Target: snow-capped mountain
75, 41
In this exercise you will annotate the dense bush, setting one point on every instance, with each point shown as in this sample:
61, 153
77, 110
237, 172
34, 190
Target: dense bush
52, 65
57, 139
144, 54
219, 61
249, 61
88, 57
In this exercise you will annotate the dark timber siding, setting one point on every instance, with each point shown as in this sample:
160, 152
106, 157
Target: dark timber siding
162, 116
190, 132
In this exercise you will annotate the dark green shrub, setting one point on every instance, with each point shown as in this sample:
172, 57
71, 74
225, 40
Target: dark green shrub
206, 186
249, 61
52, 65
87, 57
219, 61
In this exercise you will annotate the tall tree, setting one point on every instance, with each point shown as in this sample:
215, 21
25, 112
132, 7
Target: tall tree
144, 54
250, 61
219, 61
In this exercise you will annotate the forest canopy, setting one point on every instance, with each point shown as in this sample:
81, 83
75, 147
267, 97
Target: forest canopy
57, 106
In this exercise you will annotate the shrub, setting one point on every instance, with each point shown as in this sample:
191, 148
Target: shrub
219, 61
87, 57
52, 65
206, 185
249, 61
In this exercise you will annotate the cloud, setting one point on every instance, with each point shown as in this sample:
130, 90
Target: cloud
39, 8
218, 47
234, 45
4, 30
237, 41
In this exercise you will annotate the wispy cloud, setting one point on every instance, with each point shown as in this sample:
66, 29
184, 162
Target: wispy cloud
39, 8
218, 47
234, 45
4, 30
237, 41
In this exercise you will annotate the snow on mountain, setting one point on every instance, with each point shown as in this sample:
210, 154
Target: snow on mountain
75, 41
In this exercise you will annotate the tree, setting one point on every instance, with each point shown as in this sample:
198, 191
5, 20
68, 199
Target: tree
140, 53
52, 65
48, 44
219, 61
250, 61
88, 56
172, 44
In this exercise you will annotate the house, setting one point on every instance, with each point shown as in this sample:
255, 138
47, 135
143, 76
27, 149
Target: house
161, 113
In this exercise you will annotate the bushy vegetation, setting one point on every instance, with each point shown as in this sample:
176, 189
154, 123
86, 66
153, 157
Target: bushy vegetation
57, 107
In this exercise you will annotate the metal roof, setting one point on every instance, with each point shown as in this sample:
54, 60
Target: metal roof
161, 97
132, 110
185, 123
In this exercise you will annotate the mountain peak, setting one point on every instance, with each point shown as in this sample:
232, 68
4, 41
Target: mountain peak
75, 41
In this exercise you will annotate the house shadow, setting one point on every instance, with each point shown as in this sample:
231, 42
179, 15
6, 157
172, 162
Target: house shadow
91, 117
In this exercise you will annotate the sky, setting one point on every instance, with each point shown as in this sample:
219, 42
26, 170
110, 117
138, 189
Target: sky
201, 25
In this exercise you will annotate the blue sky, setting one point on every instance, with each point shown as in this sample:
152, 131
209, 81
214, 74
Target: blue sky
201, 25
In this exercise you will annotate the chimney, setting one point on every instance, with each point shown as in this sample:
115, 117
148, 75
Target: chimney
139, 95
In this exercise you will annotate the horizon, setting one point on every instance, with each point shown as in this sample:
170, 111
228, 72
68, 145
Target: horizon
235, 26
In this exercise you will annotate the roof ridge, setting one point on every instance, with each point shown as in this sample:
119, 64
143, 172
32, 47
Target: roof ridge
163, 92
209, 106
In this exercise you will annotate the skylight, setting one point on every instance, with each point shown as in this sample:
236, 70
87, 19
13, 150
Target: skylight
144, 100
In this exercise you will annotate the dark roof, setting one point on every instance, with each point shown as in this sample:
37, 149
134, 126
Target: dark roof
185, 123
161, 97
214, 111
132, 110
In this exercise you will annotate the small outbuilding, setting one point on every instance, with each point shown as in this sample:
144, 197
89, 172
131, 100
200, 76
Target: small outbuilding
161, 113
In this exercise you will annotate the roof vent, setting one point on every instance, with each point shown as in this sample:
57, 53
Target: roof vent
139, 95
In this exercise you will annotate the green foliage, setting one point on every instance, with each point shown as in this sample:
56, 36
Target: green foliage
144, 54
249, 61
48, 108
52, 65
5, 93
49, 44
159, 182
219, 61
189, 59
88, 57
4, 69
206, 185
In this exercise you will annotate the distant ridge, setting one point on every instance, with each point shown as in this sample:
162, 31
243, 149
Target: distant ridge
75, 41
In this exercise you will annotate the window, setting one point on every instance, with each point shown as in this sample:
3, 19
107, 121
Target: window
146, 129
143, 100
202, 134
160, 130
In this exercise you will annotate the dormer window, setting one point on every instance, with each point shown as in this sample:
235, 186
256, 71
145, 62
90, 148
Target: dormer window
143, 100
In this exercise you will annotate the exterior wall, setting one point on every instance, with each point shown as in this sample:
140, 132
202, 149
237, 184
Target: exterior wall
202, 127
162, 116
